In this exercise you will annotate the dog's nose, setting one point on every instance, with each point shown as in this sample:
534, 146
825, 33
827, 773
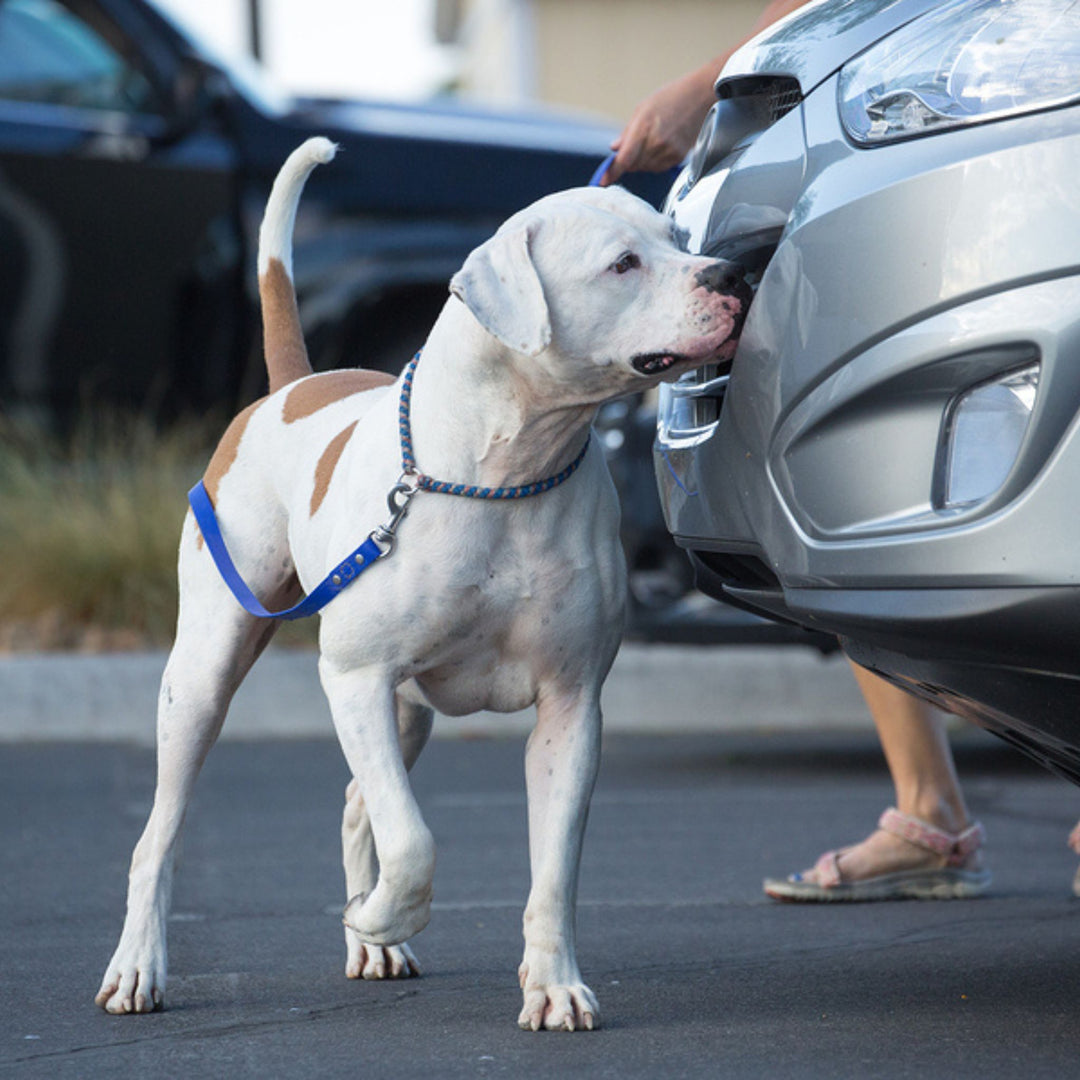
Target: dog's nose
722, 277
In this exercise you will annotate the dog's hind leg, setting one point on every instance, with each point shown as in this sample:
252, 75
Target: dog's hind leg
364, 959
561, 763
362, 702
216, 644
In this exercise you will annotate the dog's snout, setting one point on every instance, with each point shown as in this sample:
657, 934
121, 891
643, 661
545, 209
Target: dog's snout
722, 277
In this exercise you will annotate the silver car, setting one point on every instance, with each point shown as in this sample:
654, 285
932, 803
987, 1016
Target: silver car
894, 455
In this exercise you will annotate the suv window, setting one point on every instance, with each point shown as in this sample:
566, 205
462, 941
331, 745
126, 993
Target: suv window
50, 56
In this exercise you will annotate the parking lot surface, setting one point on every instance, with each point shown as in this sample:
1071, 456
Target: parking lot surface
698, 974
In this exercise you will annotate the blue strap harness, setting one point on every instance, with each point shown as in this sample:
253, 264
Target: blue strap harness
380, 542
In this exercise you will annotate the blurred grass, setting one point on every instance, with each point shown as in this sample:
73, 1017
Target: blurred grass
89, 531
89, 526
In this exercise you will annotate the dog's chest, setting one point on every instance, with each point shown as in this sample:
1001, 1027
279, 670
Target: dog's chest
489, 628
484, 605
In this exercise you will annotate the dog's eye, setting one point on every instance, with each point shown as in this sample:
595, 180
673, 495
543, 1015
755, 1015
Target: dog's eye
625, 263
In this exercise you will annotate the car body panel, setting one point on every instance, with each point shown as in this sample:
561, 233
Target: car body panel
812, 42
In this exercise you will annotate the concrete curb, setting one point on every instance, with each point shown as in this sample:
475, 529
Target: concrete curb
652, 689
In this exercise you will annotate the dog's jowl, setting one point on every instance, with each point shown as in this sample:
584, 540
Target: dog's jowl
498, 581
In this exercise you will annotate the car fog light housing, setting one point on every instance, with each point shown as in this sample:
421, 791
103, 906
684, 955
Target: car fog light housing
983, 432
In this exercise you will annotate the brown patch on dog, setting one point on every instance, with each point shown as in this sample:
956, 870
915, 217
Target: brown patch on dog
311, 395
324, 471
225, 454
283, 339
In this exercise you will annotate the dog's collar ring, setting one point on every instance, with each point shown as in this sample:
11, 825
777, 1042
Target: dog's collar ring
397, 502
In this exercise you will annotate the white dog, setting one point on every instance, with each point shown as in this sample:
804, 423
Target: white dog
482, 603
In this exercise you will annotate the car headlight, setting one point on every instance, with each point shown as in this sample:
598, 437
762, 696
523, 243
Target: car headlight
984, 429
965, 62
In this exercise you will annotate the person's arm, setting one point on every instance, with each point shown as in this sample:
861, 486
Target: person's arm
663, 127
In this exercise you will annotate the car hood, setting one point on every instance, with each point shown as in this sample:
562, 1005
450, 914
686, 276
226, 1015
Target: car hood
813, 42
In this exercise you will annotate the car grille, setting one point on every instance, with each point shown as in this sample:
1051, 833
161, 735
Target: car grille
690, 406
774, 95
783, 95
695, 399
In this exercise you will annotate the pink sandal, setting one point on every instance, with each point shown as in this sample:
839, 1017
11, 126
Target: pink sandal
950, 882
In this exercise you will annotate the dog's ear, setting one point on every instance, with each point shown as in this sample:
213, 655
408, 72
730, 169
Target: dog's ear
499, 285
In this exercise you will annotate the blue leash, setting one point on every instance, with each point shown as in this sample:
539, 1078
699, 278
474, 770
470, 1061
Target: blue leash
380, 542
604, 165
602, 170
343, 575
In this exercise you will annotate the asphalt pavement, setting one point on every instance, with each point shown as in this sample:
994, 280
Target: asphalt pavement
698, 974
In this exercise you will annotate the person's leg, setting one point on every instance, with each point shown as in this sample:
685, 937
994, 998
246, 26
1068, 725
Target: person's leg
920, 762
931, 848
1074, 843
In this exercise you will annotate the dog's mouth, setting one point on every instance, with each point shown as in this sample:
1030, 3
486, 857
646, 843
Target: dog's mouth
656, 363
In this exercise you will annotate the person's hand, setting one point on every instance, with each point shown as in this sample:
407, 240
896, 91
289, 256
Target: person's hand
663, 127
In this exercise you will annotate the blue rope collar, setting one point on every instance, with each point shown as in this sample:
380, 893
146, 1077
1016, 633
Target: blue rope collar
379, 543
442, 487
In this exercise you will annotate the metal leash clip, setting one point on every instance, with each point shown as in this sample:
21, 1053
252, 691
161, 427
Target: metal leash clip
397, 501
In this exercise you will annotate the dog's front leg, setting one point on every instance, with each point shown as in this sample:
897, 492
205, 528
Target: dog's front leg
365, 960
561, 763
363, 707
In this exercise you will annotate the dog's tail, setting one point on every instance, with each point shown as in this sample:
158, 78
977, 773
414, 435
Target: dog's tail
283, 340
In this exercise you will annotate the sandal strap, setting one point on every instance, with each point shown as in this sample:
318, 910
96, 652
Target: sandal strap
827, 869
921, 833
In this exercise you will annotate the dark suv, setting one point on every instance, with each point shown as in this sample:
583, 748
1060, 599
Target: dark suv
133, 171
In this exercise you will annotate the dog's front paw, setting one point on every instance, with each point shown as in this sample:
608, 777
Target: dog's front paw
557, 1007
367, 961
133, 983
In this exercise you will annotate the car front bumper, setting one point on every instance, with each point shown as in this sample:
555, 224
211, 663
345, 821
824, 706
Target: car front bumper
900, 278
